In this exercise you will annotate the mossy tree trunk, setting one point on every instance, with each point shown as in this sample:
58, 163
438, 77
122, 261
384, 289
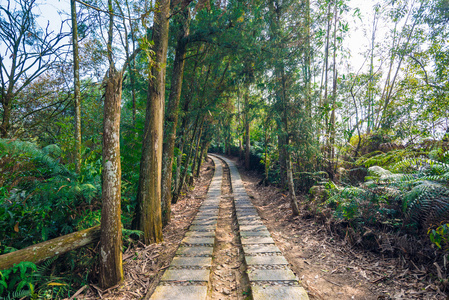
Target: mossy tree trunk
149, 197
40, 252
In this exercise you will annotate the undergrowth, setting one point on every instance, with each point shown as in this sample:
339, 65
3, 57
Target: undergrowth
42, 198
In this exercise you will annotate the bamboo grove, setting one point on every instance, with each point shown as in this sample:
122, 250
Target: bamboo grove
110, 120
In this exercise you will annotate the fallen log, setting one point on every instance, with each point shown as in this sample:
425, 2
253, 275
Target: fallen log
48, 249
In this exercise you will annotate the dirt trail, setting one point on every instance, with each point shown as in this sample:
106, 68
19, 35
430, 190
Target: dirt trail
228, 277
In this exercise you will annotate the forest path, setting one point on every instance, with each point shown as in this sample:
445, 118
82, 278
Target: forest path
228, 252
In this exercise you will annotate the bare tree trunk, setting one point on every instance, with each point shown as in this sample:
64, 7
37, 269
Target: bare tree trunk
334, 99
77, 95
204, 147
247, 137
291, 188
149, 191
197, 146
111, 269
176, 190
172, 118
325, 100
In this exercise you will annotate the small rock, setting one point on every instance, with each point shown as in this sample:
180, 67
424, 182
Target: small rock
226, 291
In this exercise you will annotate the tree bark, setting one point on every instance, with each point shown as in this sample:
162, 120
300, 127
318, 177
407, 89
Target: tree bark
172, 118
149, 191
291, 188
197, 148
204, 147
40, 252
247, 137
111, 269
4, 127
77, 94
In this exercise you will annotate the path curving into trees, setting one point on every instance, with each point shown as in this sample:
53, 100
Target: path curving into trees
260, 268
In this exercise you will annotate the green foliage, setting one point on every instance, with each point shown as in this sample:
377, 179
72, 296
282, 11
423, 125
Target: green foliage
41, 198
420, 183
17, 279
439, 236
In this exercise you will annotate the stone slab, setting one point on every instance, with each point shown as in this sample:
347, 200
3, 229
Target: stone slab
265, 260
207, 214
245, 213
185, 261
271, 275
261, 248
245, 233
200, 233
204, 222
209, 208
208, 211
257, 240
198, 240
250, 218
214, 192
186, 274
205, 218
253, 227
202, 227
195, 251
279, 292
173, 292
244, 207
240, 199
249, 222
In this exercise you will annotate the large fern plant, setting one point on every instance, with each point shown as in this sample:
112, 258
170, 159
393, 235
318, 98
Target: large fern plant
421, 183
39, 197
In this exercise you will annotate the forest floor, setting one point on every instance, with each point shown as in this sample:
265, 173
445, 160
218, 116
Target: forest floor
327, 265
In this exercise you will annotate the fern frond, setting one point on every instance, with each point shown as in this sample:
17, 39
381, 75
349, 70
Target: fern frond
427, 202
17, 295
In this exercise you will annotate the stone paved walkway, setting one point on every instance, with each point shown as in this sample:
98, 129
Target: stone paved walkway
188, 275
268, 270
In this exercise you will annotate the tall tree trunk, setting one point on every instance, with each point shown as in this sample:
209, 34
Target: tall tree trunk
190, 150
77, 95
172, 117
111, 269
204, 147
197, 146
325, 101
239, 126
132, 75
149, 191
267, 167
247, 137
176, 184
7, 105
334, 99
291, 187
179, 164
